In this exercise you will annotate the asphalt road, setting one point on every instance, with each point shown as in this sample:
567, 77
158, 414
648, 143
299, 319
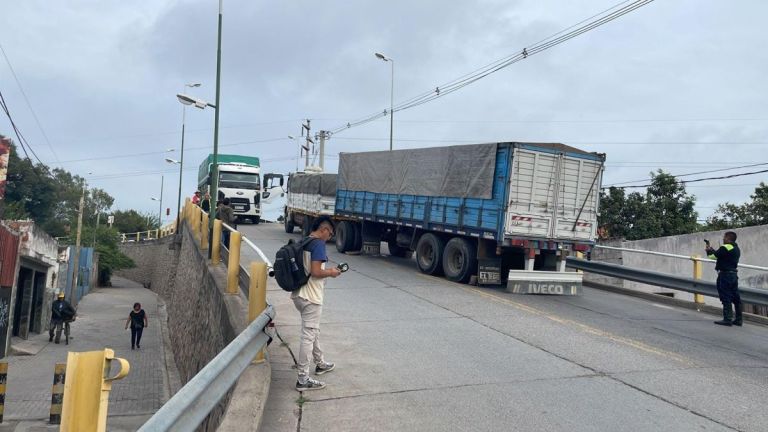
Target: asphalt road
418, 353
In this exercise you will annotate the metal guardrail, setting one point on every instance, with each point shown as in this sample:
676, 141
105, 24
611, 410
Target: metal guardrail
163, 231
697, 286
664, 254
192, 404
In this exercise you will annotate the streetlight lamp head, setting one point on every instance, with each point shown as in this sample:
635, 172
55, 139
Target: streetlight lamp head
291, 137
154, 199
168, 150
381, 56
186, 100
193, 85
172, 161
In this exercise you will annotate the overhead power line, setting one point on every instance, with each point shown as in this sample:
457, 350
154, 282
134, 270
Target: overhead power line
694, 180
558, 38
693, 173
29, 105
22, 141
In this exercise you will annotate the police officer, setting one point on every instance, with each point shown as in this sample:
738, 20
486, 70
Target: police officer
727, 278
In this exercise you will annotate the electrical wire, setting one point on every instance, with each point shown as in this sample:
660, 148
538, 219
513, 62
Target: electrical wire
22, 141
694, 180
558, 38
693, 173
29, 105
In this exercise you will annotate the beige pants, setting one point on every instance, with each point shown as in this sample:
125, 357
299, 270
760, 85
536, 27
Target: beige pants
310, 336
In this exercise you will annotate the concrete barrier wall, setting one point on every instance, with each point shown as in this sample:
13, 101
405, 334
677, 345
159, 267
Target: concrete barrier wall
202, 319
753, 242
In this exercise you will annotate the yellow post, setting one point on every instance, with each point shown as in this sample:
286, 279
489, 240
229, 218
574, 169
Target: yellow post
3, 380
216, 243
138, 236
257, 296
204, 232
233, 266
697, 273
57, 392
86, 390
579, 255
157, 233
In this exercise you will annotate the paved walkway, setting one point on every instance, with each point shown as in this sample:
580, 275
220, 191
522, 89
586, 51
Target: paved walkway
100, 324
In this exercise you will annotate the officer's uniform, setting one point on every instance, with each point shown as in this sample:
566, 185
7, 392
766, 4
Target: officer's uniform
728, 281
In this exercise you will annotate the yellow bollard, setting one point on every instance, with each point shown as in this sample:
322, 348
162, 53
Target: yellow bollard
86, 390
3, 380
233, 266
57, 392
257, 296
216, 243
204, 231
579, 255
138, 236
697, 273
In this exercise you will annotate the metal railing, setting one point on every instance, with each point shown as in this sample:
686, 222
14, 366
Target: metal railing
691, 285
163, 231
198, 397
192, 404
664, 254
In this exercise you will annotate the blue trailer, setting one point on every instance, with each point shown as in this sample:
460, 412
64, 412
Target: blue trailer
472, 210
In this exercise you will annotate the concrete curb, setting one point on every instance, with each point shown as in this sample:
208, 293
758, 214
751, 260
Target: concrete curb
757, 319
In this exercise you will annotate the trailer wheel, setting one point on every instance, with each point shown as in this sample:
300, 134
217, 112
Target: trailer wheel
459, 260
345, 236
429, 254
288, 224
398, 251
358, 230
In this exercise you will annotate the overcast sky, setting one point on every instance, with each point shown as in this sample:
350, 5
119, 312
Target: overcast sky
677, 84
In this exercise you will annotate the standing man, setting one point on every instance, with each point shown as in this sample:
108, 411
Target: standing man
309, 302
227, 215
196, 198
727, 278
61, 312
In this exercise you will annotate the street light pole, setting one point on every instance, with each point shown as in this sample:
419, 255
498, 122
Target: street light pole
181, 159
215, 168
391, 95
160, 215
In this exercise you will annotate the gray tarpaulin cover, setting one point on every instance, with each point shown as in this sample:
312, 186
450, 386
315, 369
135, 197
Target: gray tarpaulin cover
323, 184
455, 171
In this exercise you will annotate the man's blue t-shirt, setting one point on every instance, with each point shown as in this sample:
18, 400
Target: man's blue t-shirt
317, 251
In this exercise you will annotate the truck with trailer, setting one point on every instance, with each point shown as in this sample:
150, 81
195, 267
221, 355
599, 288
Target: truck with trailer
311, 194
239, 180
485, 213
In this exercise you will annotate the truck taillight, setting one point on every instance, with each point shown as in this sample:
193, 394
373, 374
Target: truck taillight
581, 247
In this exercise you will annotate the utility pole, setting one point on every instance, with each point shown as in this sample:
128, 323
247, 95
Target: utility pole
76, 258
323, 136
306, 129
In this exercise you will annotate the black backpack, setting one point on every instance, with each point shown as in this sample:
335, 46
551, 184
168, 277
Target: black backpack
289, 265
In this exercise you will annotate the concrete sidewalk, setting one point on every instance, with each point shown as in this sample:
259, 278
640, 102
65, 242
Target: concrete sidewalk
100, 324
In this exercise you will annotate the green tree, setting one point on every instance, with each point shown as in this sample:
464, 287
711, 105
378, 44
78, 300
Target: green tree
665, 209
106, 242
753, 213
130, 221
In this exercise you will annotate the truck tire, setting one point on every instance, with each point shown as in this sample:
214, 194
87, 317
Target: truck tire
345, 236
256, 220
288, 224
429, 254
306, 227
398, 251
358, 229
459, 260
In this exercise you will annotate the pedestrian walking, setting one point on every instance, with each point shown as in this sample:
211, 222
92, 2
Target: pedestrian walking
225, 213
61, 313
137, 319
727, 264
308, 300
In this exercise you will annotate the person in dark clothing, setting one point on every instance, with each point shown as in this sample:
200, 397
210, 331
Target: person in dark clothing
137, 319
61, 312
227, 215
728, 279
205, 204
